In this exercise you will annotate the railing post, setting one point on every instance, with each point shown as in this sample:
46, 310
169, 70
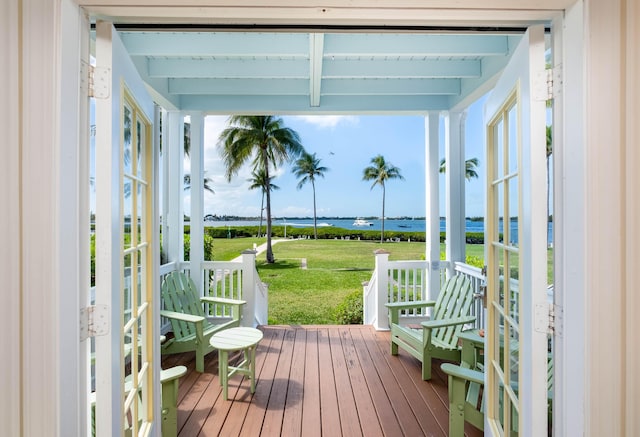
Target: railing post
382, 292
248, 287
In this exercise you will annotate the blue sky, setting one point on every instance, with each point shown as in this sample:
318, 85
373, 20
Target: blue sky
345, 144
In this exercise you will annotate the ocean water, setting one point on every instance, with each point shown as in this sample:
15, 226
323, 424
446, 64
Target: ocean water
408, 225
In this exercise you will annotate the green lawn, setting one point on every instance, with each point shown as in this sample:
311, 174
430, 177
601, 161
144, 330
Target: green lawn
226, 249
335, 268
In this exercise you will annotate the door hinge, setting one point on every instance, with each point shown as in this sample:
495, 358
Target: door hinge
94, 321
99, 82
544, 85
548, 319
554, 81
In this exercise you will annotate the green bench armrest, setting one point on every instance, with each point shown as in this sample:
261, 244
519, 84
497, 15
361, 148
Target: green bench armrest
222, 300
190, 318
172, 373
410, 305
463, 373
443, 323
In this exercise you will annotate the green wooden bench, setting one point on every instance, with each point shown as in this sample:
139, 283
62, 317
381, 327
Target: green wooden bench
437, 337
169, 414
191, 328
466, 386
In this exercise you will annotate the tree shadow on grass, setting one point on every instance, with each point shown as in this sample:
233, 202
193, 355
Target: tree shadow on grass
278, 265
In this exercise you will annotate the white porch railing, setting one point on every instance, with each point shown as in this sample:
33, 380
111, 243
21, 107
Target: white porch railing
478, 281
405, 281
233, 280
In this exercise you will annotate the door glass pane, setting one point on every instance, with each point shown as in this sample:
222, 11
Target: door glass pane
127, 124
514, 294
514, 206
500, 210
127, 290
500, 276
139, 149
514, 353
141, 279
512, 122
501, 400
499, 148
140, 196
128, 208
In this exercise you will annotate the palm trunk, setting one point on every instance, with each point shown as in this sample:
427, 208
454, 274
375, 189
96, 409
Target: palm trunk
315, 226
270, 259
383, 198
261, 209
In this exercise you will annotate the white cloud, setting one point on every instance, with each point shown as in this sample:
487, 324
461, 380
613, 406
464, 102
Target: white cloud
328, 121
295, 211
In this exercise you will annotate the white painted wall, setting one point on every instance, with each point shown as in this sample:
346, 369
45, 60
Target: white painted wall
611, 209
10, 138
631, 255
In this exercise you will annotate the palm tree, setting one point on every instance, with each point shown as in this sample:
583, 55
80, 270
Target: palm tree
307, 168
207, 183
264, 139
470, 166
258, 179
379, 173
187, 151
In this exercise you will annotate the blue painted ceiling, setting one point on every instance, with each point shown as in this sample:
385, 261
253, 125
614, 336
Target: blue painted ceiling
297, 72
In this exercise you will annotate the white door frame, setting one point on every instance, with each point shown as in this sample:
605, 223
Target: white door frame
535, 10
117, 81
521, 83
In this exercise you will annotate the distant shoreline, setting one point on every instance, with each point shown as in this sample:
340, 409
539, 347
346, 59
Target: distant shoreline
230, 218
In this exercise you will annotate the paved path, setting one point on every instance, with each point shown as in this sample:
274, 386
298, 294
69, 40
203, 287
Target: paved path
262, 248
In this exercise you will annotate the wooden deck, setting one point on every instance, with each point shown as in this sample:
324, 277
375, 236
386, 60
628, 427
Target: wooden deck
316, 381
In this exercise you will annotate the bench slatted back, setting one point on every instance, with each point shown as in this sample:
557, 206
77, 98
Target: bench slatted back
454, 301
180, 294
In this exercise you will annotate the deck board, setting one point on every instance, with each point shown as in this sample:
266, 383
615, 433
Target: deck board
316, 381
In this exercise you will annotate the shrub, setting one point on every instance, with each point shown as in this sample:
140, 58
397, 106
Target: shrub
208, 247
475, 261
349, 311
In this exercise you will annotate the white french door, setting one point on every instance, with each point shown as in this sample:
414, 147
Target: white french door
516, 245
126, 356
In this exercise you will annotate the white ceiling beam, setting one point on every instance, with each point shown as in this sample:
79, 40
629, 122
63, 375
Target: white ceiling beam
245, 87
381, 87
316, 50
419, 68
233, 68
332, 12
354, 87
215, 44
283, 105
402, 44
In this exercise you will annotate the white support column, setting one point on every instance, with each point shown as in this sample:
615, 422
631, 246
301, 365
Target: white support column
381, 269
164, 193
454, 187
249, 288
196, 253
174, 209
432, 164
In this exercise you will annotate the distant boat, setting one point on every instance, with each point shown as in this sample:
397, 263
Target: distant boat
361, 222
